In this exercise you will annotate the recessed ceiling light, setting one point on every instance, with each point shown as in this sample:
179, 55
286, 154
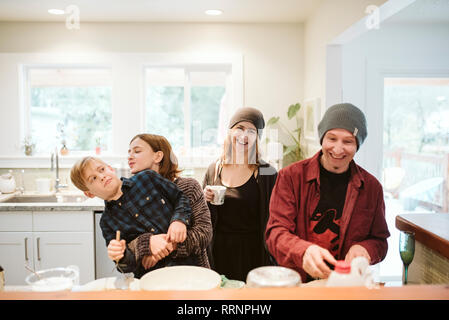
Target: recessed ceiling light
56, 11
213, 12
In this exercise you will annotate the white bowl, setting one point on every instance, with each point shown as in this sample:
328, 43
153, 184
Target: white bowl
181, 278
56, 279
272, 276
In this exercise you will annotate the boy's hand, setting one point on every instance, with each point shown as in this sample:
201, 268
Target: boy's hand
159, 246
177, 232
116, 249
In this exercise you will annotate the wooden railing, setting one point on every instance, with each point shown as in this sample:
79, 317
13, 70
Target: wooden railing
419, 168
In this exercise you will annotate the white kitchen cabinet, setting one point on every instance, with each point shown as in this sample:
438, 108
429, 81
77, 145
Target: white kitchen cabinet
60, 249
16, 250
46, 239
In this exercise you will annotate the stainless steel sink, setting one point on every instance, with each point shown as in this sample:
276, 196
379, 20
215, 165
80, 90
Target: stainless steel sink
46, 198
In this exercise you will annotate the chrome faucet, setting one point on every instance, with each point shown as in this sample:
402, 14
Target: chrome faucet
57, 184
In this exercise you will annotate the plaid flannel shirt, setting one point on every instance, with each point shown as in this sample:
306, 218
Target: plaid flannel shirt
148, 205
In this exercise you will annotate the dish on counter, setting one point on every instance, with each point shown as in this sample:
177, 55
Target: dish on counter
272, 276
181, 278
104, 284
54, 279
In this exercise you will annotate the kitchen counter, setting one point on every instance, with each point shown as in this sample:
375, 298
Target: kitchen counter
91, 204
430, 264
410, 292
48, 234
431, 229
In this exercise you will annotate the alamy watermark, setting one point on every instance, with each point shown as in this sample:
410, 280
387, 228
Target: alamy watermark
72, 21
373, 19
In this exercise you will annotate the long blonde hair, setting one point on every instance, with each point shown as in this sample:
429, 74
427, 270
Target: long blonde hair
229, 157
169, 163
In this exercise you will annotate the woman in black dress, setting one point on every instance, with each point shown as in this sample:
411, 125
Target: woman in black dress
238, 243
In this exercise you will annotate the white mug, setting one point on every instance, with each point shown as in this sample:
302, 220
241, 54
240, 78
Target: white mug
219, 194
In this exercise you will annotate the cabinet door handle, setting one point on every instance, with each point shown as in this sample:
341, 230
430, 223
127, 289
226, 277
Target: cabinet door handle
38, 240
26, 249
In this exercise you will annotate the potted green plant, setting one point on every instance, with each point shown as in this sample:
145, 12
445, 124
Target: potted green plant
64, 150
28, 146
292, 152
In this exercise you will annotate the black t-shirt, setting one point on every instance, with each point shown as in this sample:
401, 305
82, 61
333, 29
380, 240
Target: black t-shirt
325, 220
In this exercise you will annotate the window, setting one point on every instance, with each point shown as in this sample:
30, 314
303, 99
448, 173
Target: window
68, 106
416, 139
186, 105
416, 148
417, 114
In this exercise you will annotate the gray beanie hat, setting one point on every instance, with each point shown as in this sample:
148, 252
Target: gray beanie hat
344, 116
251, 115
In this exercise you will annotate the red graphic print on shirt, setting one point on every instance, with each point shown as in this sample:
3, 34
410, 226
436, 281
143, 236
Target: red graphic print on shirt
326, 229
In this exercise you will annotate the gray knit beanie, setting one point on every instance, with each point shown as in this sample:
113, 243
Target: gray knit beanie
344, 116
251, 115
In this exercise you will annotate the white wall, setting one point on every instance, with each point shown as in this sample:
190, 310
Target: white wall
273, 73
394, 49
330, 20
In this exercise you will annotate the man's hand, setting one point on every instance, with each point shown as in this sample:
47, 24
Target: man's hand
116, 249
177, 232
357, 251
313, 261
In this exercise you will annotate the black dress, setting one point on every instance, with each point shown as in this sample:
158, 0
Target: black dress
237, 246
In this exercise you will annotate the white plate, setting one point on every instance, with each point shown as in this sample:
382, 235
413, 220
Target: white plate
103, 284
181, 278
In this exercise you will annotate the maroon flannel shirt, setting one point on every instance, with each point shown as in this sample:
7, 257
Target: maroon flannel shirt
296, 195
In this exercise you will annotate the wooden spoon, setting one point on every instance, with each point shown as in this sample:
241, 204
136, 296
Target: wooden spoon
31, 270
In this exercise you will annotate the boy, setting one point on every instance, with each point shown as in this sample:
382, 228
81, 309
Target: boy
144, 203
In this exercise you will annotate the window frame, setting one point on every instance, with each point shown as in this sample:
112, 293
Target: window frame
127, 90
187, 104
26, 90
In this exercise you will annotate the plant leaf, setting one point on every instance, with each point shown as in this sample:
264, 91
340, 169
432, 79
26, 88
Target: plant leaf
292, 110
290, 149
272, 121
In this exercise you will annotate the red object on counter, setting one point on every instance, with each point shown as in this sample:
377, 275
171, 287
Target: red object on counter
343, 267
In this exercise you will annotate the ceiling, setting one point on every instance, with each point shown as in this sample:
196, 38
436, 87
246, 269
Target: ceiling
234, 11
241, 11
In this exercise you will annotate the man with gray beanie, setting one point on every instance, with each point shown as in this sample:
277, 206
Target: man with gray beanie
327, 208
